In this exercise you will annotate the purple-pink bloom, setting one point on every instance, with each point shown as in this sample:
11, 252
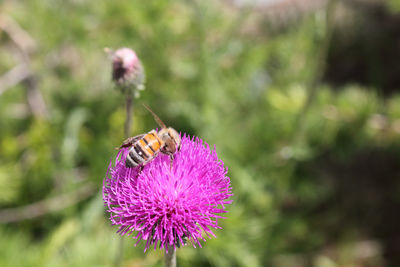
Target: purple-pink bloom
168, 204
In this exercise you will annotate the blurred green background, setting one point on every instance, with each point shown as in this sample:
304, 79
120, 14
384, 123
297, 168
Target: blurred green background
300, 97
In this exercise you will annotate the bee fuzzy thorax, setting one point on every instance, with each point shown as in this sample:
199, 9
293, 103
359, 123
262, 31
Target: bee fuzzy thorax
171, 138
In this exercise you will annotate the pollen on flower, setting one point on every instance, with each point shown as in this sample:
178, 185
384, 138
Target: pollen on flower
165, 205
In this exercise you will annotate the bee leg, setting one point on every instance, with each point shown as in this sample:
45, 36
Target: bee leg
140, 169
171, 156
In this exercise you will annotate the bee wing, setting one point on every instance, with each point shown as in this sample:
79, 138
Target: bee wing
129, 141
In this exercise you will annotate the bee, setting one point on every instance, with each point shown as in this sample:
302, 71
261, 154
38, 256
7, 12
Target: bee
145, 147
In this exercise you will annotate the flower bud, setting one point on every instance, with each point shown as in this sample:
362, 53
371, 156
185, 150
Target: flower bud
127, 71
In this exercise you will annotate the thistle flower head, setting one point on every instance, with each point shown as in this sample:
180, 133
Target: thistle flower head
127, 70
168, 203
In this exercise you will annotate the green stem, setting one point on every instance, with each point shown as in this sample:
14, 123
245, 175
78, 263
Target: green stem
170, 256
129, 111
120, 252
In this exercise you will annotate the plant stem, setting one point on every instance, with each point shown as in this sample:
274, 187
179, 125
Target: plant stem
129, 111
170, 256
46, 206
127, 128
120, 252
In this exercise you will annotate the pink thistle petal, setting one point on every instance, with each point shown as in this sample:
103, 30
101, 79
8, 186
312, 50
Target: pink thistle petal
165, 206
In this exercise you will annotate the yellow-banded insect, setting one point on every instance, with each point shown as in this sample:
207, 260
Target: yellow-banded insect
145, 147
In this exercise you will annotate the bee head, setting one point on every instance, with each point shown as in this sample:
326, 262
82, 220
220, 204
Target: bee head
171, 138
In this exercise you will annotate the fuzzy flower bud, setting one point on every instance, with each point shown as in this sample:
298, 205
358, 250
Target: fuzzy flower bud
168, 203
127, 71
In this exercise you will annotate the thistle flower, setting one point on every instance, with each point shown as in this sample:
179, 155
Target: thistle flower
127, 70
169, 203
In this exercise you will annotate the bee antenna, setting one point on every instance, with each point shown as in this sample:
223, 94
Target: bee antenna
156, 118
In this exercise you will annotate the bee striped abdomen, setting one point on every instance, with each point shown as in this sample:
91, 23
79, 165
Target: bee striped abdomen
152, 141
140, 151
144, 149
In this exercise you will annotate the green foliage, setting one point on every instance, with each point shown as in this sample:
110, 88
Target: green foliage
394, 5
208, 77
